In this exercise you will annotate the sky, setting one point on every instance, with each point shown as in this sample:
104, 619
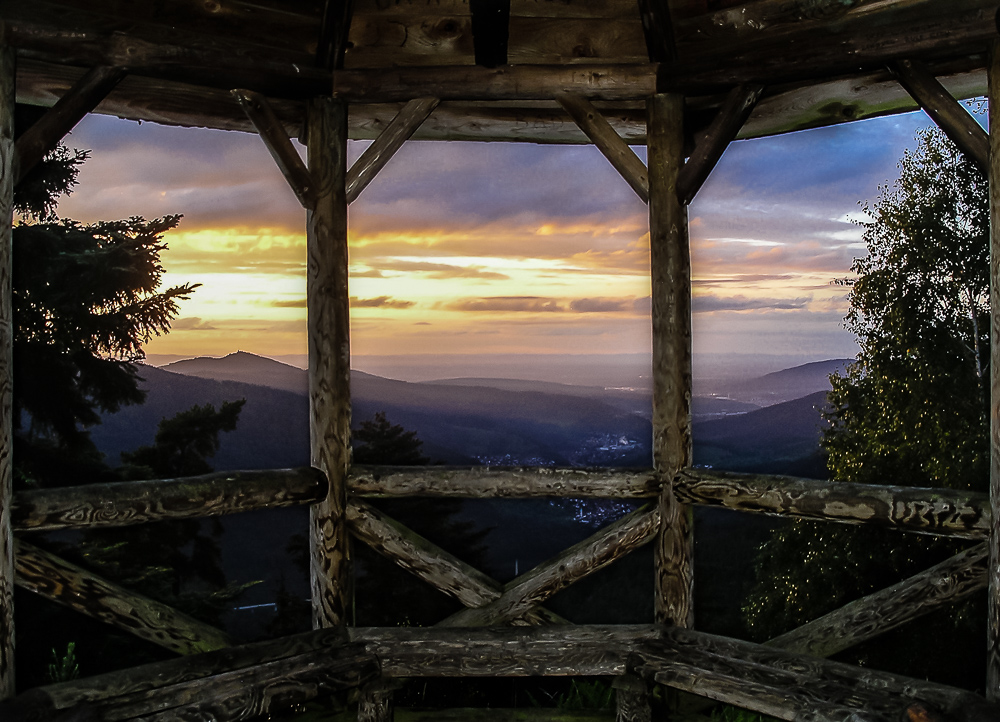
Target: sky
468, 250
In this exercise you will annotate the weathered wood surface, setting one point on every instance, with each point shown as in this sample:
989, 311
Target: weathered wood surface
334, 33
535, 586
329, 360
375, 701
670, 268
584, 40
125, 503
793, 686
442, 38
443, 571
7, 69
232, 684
658, 30
616, 150
948, 113
79, 100
279, 145
740, 102
943, 512
993, 618
390, 140
943, 584
72, 586
503, 651
494, 482
631, 699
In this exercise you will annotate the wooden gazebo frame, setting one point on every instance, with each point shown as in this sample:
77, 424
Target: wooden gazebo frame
685, 77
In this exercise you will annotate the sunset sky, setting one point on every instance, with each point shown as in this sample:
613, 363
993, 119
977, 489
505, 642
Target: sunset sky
481, 248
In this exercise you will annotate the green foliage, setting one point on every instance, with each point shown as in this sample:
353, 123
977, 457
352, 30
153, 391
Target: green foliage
735, 714
37, 195
583, 694
63, 667
380, 442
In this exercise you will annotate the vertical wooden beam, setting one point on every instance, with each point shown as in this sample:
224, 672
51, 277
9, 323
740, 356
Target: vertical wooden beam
993, 627
375, 701
334, 30
329, 359
670, 261
658, 29
6, 370
631, 699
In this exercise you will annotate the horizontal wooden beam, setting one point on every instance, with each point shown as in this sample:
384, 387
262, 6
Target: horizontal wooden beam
279, 145
601, 134
72, 586
135, 502
943, 584
942, 512
231, 684
79, 100
443, 571
794, 686
493, 482
503, 651
957, 123
534, 587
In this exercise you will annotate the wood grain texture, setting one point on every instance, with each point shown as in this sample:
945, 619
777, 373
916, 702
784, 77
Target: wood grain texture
279, 145
575, 40
940, 512
72, 586
125, 503
942, 585
740, 102
631, 699
616, 150
948, 113
534, 587
390, 140
334, 33
375, 701
658, 29
329, 359
670, 264
7, 71
60, 119
993, 618
494, 482
436, 39
442, 570
589, 650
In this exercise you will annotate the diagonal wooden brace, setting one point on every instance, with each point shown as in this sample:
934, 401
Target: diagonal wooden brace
45, 135
272, 132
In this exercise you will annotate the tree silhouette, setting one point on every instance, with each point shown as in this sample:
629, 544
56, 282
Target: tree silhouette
384, 443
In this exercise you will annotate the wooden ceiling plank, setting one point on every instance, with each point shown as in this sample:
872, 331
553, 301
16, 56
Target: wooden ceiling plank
947, 112
333, 34
739, 103
79, 100
279, 145
616, 150
574, 9
657, 27
576, 40
427, 40
388, 142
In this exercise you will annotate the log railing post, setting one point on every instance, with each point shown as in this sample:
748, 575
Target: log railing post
670, 261
6, 369
329, 359
993, 626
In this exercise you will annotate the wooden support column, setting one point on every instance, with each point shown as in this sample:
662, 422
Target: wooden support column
329, 359
631, 699
993, 627
375, 701
6, 371
670, 259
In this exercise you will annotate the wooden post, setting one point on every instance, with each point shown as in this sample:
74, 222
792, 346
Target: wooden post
375, 701
993, 627
6, 370
329, 359
631, 699
670, 260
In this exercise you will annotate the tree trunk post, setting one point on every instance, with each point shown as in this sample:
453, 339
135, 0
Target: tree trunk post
375, 701
993, 626
329, 359
631, 699
670, 261
6, 371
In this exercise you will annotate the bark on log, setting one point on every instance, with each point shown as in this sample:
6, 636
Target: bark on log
993, 621
329, 360
740, 102
443, 571
279, 145
616, 150
7, 72
670, 263
492, 482
56, 579
947, 112
390, 140
941, 512
503, 651
231, 684
534, 587
126, 503
943, 584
